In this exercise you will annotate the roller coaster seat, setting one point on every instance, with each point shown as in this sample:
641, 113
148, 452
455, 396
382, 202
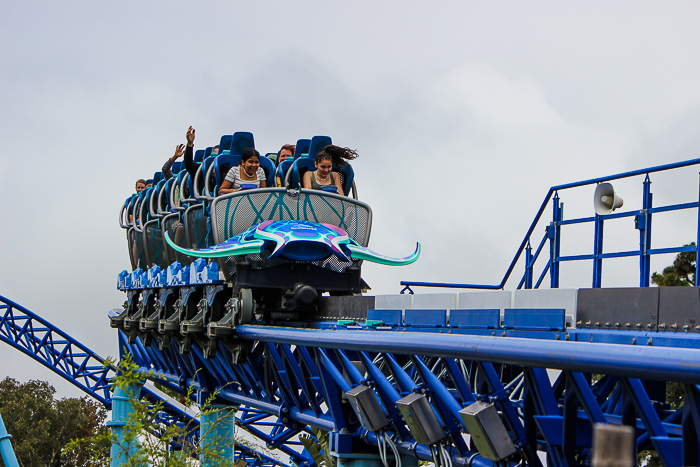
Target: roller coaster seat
316, 145
281, 172
302, 148
302, 165
224, 162
240, 141
225, 144
200, 191
155, 197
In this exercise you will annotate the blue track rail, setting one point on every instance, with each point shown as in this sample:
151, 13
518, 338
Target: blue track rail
542, 387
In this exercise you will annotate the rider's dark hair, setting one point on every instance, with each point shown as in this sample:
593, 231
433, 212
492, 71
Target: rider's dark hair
248, 153
339, 156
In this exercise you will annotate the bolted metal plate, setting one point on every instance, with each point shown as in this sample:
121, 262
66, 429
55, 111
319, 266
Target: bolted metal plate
619, 305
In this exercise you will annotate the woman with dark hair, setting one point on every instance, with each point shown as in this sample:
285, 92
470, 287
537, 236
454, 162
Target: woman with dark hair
324, 176
248, 173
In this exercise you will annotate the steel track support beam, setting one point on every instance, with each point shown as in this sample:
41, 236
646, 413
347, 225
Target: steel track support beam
123, 446
6, 451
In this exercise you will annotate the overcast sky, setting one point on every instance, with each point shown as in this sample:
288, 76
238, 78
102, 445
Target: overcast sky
463, 113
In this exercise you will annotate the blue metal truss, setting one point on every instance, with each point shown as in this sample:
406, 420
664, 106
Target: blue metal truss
65, 356
299, 377
55, 349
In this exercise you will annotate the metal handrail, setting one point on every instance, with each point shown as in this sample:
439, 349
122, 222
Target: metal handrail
552, 191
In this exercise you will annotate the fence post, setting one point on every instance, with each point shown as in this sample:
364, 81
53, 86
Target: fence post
528, 265
553, 232
643, 221
597, 251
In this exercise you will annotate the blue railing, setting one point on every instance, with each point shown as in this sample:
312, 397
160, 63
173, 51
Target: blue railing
553, 237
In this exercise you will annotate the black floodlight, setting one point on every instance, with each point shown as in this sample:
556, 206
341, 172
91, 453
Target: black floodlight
420, 418
487, 431
367, 408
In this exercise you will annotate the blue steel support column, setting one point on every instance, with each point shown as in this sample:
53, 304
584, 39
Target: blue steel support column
554, 232
528, 266
597, 251
216, 432
122, 409
6, 451
645, 236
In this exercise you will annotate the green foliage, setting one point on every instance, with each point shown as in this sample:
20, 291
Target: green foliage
181, 398
146, 441
318, 448
42, 426
680, 274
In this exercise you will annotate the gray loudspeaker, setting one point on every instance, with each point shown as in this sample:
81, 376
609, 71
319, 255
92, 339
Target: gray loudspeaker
605, 200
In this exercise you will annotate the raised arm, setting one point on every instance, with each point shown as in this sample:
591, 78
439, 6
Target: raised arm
167, 173
190, 165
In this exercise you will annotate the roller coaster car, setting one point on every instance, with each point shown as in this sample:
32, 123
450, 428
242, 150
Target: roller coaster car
203, 265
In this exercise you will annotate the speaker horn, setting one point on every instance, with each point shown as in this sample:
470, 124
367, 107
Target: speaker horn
605, 200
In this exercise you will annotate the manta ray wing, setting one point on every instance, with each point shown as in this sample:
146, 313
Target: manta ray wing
360, 252
235, 246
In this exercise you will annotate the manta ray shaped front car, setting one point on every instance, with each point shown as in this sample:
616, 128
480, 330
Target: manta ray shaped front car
296, 240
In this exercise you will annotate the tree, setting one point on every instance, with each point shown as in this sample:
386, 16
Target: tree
42, 426
681, 273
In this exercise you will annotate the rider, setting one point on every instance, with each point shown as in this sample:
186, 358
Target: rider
248, 173
324, 176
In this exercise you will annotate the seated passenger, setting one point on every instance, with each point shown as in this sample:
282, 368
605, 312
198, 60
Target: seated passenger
167, 172
248, 173
140, 185
190, 165
286, 152
324, 176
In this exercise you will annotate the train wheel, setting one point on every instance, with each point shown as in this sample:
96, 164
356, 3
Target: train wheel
247, 306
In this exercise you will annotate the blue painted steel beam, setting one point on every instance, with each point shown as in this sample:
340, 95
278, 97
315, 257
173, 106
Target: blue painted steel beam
478, 372
665, 364
55, 349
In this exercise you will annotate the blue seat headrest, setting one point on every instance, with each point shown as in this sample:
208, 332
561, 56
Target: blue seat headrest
199, 154
225, 143
158, 176
241, 140
177, 167
302, 147
269, 167
317, 144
